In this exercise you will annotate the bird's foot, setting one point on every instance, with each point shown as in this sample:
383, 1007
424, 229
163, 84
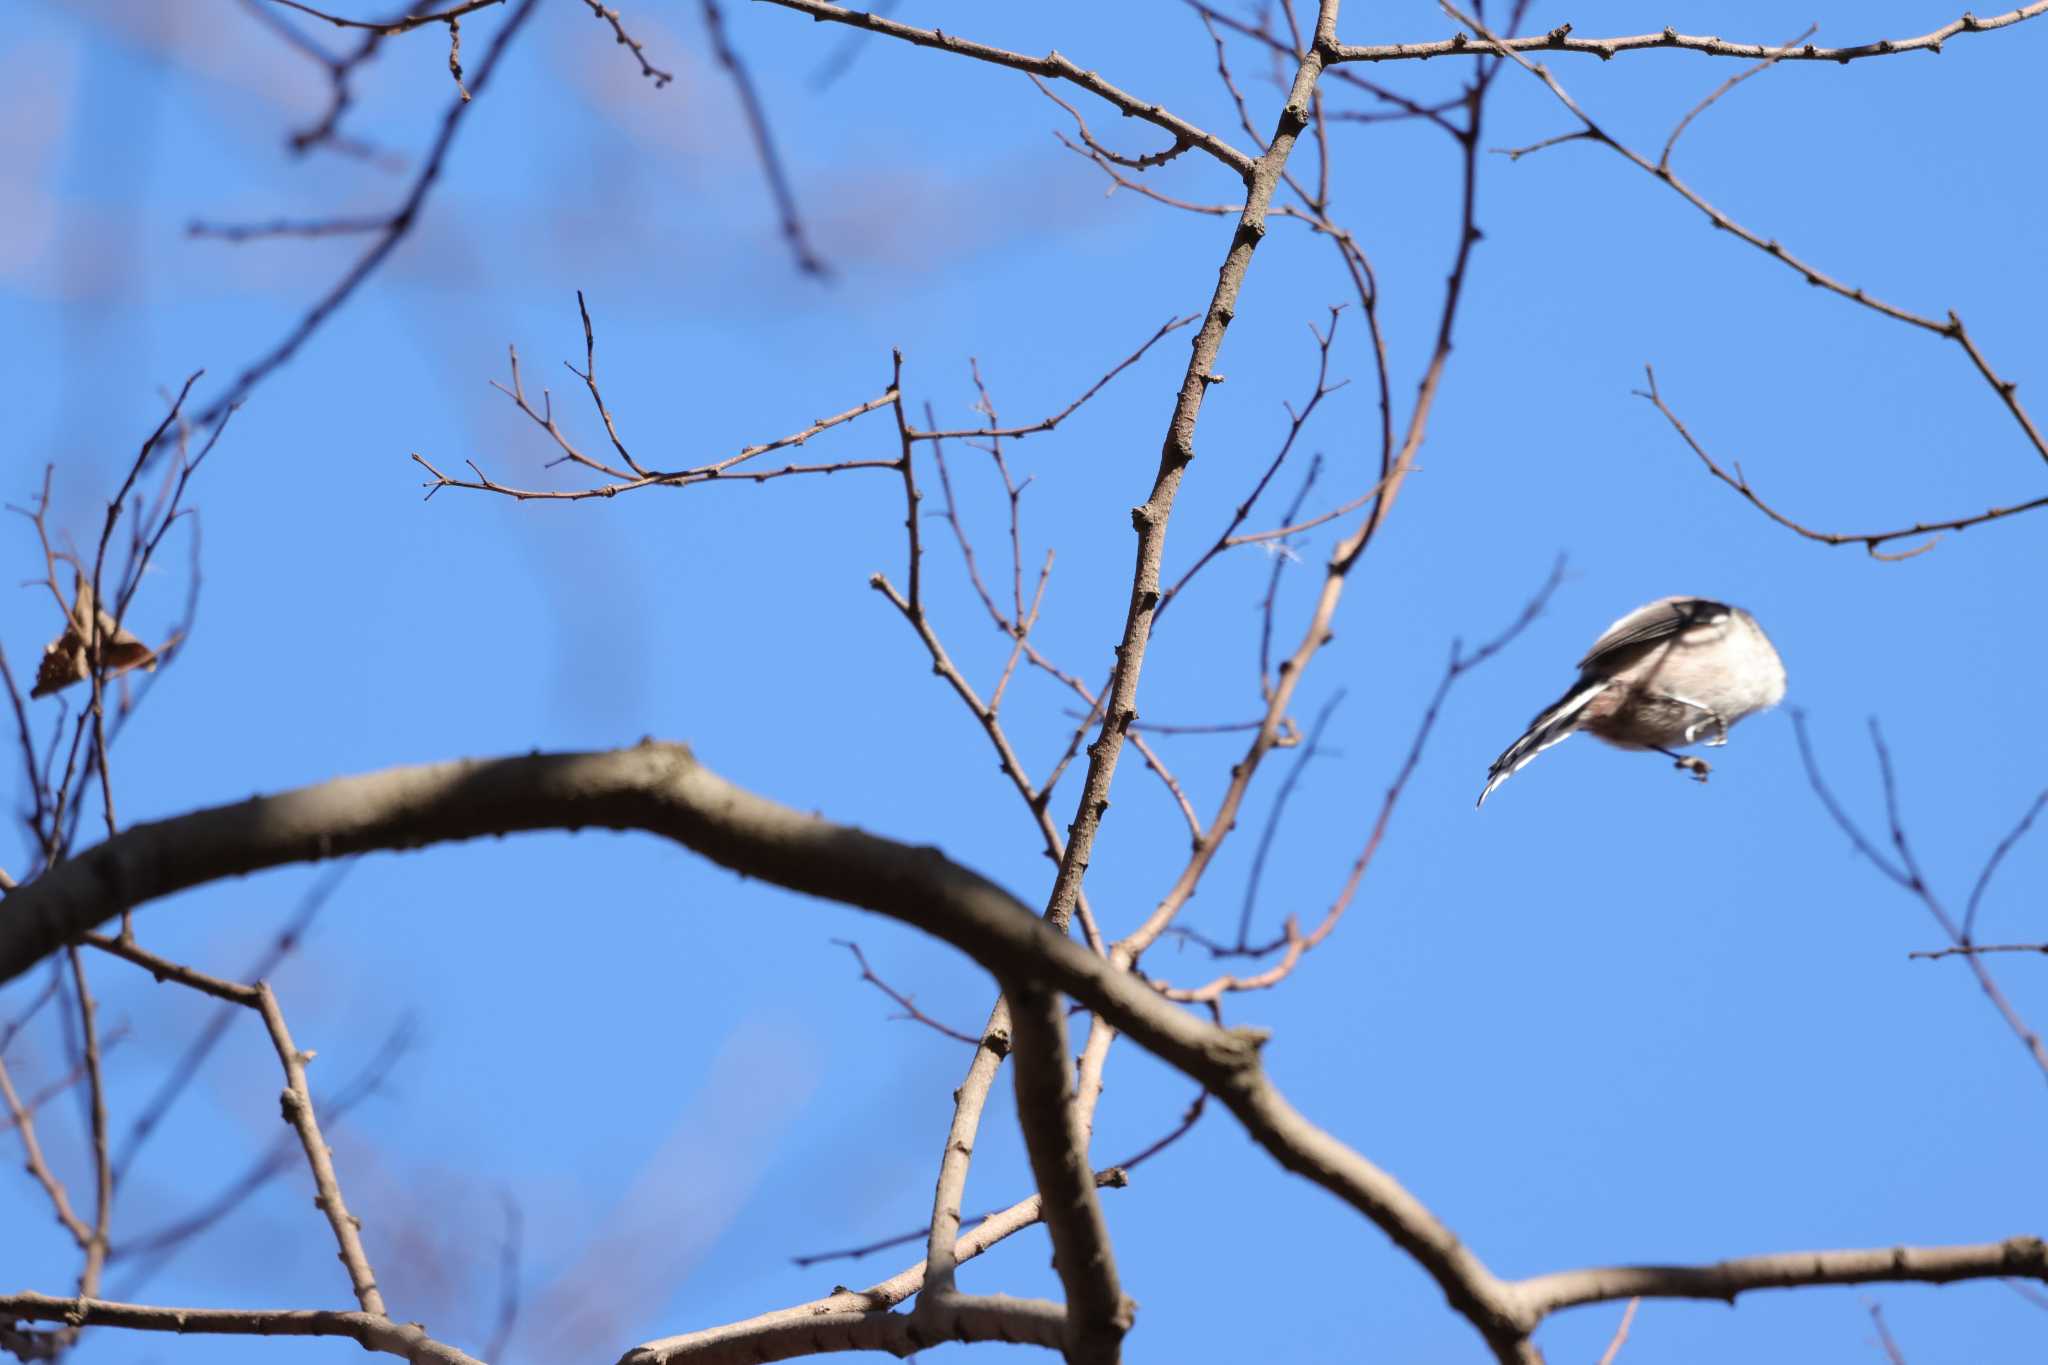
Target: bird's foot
1689, 763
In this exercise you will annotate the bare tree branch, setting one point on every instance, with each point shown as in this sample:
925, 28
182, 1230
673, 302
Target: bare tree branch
1052, 65
1724, 1280
177, 1080
1002, 1222
1906, 874
396, 228
396, 26
1884, 1336
909, 1007
371, 1331
808, 1330
660, 788
1869, 540
635, 475
1098, 1313
1966, 950
150, 1251
1950, 327
1297, 944
626, 40
807, 259
1559, 39
1045, 977
993, 432
1620, 1337
298, 1112
1151, 517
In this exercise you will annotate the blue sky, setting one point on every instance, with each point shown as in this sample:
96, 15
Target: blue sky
1614, 1017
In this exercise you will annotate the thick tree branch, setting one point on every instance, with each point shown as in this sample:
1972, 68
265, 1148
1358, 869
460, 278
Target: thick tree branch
660, 788
1098, 1314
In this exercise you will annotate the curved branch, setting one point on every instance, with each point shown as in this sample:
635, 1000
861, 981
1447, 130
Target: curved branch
1869, 540
662, 789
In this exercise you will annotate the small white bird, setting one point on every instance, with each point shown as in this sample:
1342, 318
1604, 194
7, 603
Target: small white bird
1663, 676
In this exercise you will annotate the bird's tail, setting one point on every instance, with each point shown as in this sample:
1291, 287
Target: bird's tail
1552, 725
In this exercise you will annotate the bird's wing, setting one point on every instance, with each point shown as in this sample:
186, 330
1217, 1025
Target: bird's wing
1661, 620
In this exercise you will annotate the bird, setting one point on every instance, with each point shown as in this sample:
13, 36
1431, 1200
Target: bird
1675, 672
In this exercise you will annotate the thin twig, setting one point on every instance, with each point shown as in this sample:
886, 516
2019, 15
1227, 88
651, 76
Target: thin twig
2005, 846
96, 1100
1620, 1337
1964, 950
904, 1002
1885, 1341
996, 432
635, 476
1906, 874
1310, 750
1112, 1177
1664, 161
396, 26
1297, 944
399, 225
626, 40
508, 1258
1870, 540
807, 259
1051, 65
297, 1103
151, 1251
177, 1079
